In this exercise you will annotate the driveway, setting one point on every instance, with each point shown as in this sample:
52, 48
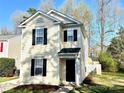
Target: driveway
4, 86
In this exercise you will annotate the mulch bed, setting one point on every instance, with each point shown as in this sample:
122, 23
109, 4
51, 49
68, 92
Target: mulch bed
38, 87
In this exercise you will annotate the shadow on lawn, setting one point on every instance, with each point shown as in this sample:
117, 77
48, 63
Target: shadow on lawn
33, 89
96, 88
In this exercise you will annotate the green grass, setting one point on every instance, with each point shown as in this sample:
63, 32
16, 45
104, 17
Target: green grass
105, 83
98, 89
33, 89
3, 79
23, 90
110, 79
118, 75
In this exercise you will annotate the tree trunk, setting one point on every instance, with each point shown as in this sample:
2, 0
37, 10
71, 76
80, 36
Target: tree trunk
102, 25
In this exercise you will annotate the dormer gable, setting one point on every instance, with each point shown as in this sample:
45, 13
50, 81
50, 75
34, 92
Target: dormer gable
38, 17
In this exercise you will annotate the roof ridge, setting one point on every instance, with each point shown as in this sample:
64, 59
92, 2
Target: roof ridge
38, 11
68, 16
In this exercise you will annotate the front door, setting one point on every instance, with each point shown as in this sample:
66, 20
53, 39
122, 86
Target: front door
70, 70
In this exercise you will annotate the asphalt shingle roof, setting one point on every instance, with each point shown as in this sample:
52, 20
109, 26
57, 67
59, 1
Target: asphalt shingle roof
6, 37
69, 50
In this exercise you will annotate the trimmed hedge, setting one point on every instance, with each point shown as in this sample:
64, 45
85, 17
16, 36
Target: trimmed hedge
7, 67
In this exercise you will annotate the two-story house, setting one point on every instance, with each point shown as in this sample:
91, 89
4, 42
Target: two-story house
54, 49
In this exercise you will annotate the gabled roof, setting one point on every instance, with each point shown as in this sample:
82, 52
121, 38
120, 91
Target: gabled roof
52, 18
34, 15
64, 15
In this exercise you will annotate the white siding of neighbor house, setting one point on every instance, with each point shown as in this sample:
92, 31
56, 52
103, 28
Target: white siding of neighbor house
15, 49
5, 49
12, 49
50, 52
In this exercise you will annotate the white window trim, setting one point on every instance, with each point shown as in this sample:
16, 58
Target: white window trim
70, 35
38, 67
39, 36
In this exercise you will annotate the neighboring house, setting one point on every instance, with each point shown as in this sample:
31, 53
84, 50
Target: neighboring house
54, 49
10, 47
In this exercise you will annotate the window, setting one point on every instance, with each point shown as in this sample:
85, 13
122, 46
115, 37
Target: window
39, 36
70, 35
38, 67
1, 46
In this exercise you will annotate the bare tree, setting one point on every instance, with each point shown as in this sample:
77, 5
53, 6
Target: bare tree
67, 7
106, 19
4, 31
46, 5
17, 17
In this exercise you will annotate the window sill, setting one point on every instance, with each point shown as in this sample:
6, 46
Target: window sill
69, 41
39, 45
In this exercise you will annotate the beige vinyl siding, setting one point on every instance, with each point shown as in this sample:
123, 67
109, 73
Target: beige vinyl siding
49, 52
15, 49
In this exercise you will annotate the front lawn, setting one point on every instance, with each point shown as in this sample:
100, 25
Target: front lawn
33, 89
110, 79
105, 83
3, 79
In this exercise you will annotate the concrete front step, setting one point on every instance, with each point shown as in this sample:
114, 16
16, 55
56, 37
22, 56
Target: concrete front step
64, 89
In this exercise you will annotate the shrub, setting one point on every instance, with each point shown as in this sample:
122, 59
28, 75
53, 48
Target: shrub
7, 67
107, 62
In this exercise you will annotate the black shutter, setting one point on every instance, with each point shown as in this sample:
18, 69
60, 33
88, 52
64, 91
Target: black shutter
32, 67
65, 36
44, 66
75, 35
33, 36
45, 36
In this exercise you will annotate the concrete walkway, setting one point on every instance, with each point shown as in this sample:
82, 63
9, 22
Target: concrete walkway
64, 89
9, 85
14, 83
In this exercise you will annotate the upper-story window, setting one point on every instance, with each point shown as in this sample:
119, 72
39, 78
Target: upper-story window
70, 35
1, 46
39, 39
39, 36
